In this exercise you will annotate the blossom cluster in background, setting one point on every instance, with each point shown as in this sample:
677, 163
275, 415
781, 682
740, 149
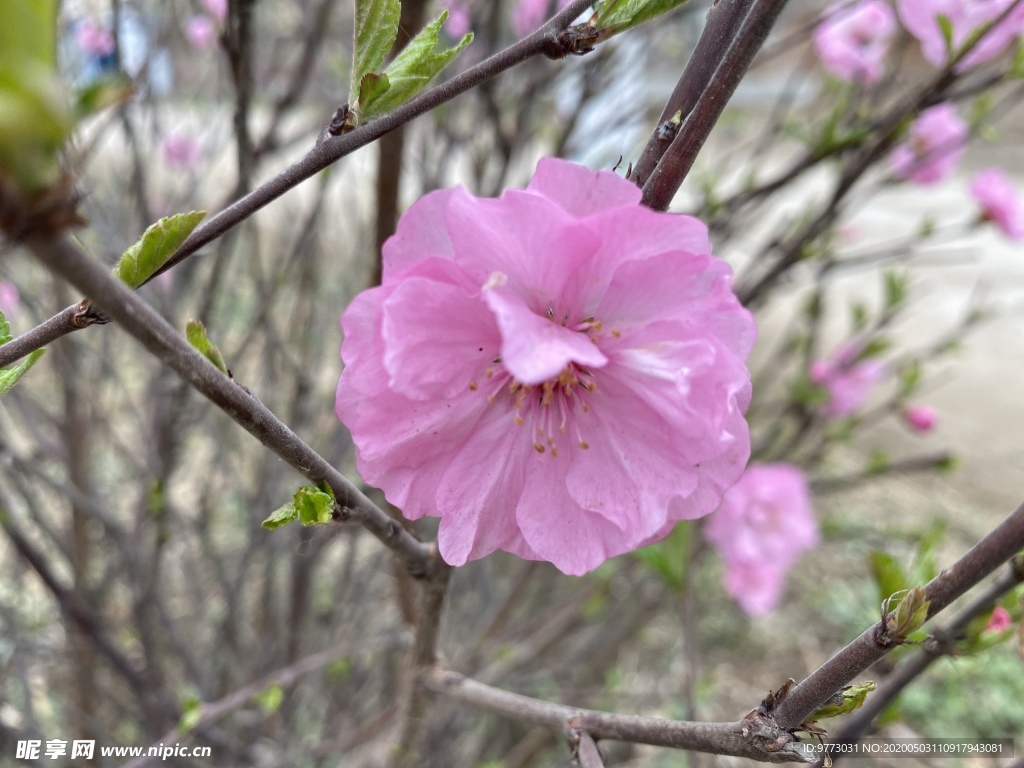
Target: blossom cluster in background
853, 41
764, 525
10, 300
558, 373
933, 148
847, 379
201, 29
966, 18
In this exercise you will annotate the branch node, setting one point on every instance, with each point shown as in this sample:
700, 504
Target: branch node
575, 41
86, 314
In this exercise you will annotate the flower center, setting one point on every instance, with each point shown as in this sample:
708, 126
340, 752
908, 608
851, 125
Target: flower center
547, 412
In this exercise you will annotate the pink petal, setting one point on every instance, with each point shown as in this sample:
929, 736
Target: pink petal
439, 340
580, 191
535, 349
421, 234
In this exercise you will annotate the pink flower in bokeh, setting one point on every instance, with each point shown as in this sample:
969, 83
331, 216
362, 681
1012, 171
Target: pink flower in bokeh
528, 15
181, 151
557, 373
847, 380
201, 32
459, 17
10, 300
999, 202
763, 526
920, 418
920, 17
999, 621
852, 42
218, 9
933, 148
94, 39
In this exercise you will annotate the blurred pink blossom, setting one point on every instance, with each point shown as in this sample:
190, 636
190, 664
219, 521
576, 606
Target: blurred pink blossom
10, 300
920, 418
557, 373
999, 621
218, 9
181, 151
847, 380
201, 32
764, 524
933, 148
528, 15
94, 39
852, 41
999, 202
460, 17
920, 17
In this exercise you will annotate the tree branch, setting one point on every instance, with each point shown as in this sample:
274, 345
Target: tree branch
743, 738
329, 149
1001, 544
66, 260
678, 159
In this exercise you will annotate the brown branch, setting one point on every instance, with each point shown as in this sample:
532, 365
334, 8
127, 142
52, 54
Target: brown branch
66, 260
328, 150
744, 738
1001, 544
678, 159
585, 751
940, 644
724, 20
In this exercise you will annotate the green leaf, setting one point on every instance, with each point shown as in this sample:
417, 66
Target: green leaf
910, 614
270, 699
418, 63
851, 697
157, 244
195, 332
895, 289
1017, 67
5, 329
281, 517
191, 714
108, 91
9, 376
311, 505
614, 16
946, 27
373, 87
375, 33
888, 574
910, 378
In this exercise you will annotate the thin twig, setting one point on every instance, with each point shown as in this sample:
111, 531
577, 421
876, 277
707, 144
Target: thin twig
586, 751
1001, 544
66, 260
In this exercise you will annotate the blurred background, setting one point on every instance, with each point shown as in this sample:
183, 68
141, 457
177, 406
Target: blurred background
142, 602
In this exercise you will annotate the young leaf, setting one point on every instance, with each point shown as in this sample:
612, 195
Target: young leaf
418, 63
191, 714
311, 505
888, 573
157, 244
195, 332
270, 699
9, 376
5, 328
946, 27
614, 16
851, 697
375, 33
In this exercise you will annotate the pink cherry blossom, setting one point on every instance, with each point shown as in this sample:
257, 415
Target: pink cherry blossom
763, 526
933, 148
557, 373
852, 41
999, 621
181, 151
201, 32
999, 202
94, 39
528, 15
10, 300
218, 9
847, 380
920, 17
920, 418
